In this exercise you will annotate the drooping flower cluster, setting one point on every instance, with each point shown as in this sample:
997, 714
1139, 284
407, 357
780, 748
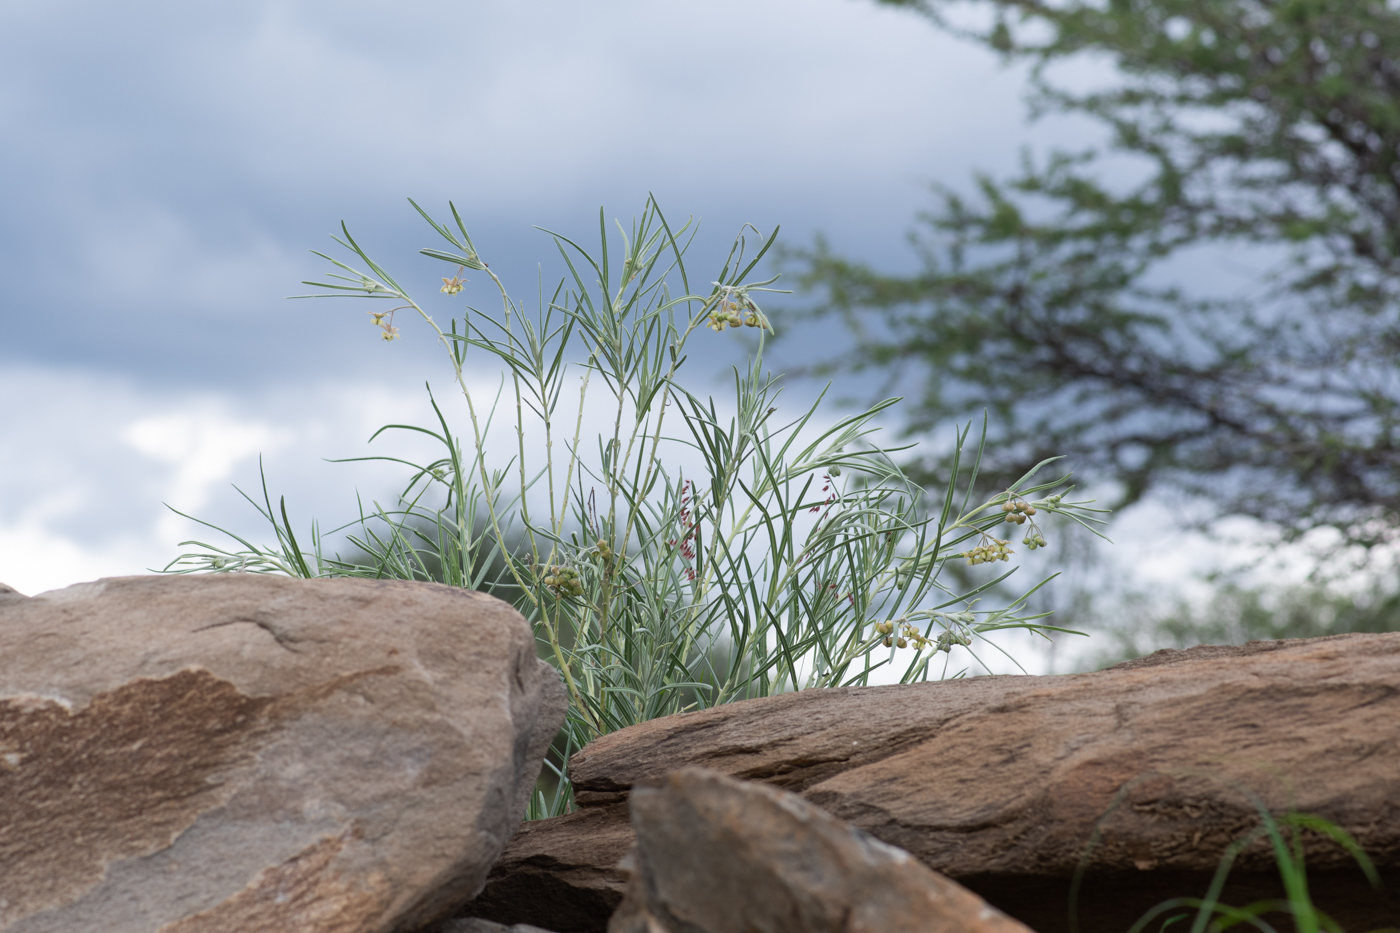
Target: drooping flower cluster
390, 331
562, 580
736, 309
1018, 512
849, 596
901, 633
826, 488
905, 634
454, 285
686, 541
989, 550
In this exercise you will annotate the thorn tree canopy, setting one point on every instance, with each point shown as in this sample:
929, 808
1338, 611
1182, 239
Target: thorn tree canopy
1067, 300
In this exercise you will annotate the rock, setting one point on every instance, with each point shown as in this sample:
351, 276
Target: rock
238, 753
1000, 782
561, 873
716, 855
477, 925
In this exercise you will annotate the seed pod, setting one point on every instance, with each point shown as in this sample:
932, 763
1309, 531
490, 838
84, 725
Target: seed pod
902, 643
887, 642
1008, 507
1030, 510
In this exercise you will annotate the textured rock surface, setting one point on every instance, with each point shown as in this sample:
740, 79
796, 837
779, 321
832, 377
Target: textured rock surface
716, 855
250, 753
476, 925
561, 873
999, 782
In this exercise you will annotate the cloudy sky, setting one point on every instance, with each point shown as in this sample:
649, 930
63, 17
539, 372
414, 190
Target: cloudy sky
167, 166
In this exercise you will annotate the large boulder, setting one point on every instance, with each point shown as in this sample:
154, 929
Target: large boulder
1001, 783
240, 753
715, 855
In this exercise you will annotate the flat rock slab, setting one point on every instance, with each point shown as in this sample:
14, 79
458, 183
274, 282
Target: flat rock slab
1001, 782
249, 754
716, 855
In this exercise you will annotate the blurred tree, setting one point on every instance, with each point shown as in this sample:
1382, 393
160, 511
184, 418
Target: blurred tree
1238, 614
1255, 131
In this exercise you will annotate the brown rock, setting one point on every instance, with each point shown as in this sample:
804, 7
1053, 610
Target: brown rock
716, 855
1000, 782
561, 873
230, 753
477, 925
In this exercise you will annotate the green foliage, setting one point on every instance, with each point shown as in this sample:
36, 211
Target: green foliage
1237, 613
1286, 840
1285, 837
688, 553
1263, 125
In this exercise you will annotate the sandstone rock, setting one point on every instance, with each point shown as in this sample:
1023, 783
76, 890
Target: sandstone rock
561, 873
477, 925
716, 855
1000, 782
252, 754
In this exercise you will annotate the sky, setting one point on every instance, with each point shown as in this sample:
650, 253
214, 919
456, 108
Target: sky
169, 166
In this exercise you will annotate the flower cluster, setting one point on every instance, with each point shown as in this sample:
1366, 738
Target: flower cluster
989, 550
899, 633
849, 597
564, 581
686, 542
948, 638
454, 285
826, 488
390, 331
736, 309
1018, 512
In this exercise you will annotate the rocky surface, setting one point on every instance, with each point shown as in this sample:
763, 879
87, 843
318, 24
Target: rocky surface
250, 753
561, 874
716, 855
476, 925
1001, 782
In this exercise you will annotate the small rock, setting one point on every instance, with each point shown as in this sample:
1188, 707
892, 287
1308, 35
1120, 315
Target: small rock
241, 753
716, 855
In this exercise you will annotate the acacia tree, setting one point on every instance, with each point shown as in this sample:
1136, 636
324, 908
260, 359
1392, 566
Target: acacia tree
1055, 299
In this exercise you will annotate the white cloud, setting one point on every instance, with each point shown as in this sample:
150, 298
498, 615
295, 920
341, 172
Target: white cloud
90, 464
201, 449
